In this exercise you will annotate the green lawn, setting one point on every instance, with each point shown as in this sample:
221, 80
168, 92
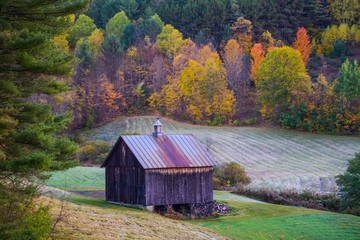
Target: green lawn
268, 221
79, 178
274, 158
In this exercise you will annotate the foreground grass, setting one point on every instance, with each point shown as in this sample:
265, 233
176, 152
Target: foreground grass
89, 218
268, 221
274, 158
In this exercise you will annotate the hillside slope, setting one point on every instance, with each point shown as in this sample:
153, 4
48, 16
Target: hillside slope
94, 219
274, 158
91, 218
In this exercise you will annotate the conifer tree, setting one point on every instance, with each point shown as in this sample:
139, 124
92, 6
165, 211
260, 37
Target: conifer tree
28, 143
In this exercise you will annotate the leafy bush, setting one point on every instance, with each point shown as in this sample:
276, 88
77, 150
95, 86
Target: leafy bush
349, 184
216, 183
229, 175
293, 118
251, 121
93, 151
305, 199
217, 121
236, 122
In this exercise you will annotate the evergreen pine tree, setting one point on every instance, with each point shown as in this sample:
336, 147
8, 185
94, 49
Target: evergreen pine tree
30, 141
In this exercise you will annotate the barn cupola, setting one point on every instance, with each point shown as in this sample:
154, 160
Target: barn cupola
158, 129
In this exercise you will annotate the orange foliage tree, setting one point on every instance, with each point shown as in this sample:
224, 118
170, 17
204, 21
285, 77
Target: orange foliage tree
107, 100
303, 45
233, 60
258, 56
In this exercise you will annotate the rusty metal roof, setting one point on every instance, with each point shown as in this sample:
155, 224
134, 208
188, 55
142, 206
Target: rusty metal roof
168, 151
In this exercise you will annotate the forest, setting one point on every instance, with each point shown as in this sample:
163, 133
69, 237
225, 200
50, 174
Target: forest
216, 62
67, 65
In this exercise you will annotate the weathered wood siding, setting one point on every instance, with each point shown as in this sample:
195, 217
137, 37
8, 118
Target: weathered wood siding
178, 186
125, 177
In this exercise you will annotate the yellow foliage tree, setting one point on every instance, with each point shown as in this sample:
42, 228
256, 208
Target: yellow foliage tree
96, 39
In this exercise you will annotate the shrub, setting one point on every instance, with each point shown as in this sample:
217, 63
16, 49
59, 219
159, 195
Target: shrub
236, 122
93, 151
229, 175
217, 183
305, 199
217, 121
251, 121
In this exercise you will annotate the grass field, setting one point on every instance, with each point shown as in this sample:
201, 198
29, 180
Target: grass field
274, 158
268, 221
79, 178
91, 218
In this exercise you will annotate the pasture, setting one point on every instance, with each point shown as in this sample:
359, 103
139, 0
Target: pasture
93, 218
274, 158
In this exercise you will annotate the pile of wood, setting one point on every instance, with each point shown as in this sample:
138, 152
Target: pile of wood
193, 211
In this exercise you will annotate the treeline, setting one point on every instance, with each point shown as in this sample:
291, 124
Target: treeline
207, 21
209, 69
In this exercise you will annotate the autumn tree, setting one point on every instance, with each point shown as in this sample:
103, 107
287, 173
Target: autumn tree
233, 56
242, 29
345, 11
267, 40
83, 27
107, 101
328, 38
303, 45
169, 41
257, 54
95, 40
199, 90
282, 81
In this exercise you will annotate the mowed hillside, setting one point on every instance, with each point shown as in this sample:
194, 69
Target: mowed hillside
274, 158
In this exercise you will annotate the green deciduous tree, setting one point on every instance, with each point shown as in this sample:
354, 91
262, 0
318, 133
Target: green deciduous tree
349, 184
282, 80
117, 24
82, 28
169, 41
348, 84
28, 143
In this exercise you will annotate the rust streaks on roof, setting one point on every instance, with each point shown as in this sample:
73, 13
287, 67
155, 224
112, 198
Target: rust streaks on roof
169, 151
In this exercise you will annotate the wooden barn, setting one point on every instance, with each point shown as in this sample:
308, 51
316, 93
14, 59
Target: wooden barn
158, 169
